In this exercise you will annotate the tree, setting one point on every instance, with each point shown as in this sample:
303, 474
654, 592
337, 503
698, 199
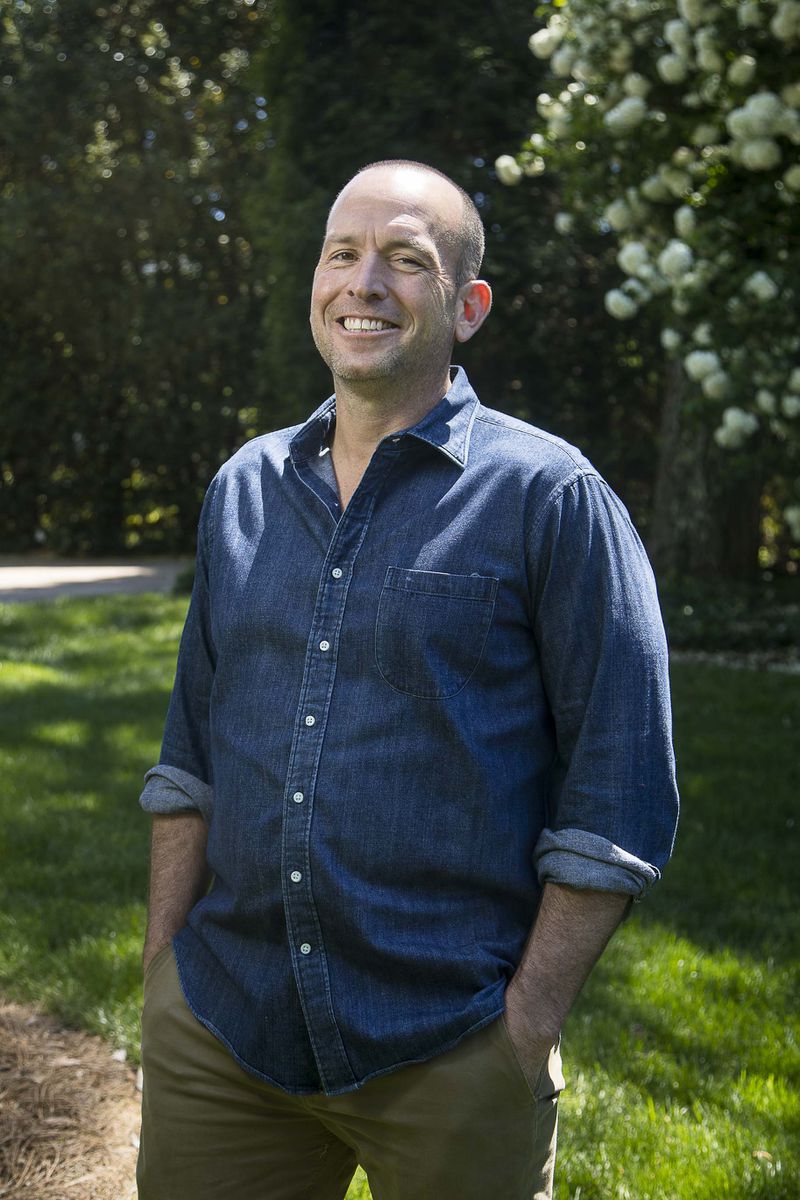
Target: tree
131, 295
673, 125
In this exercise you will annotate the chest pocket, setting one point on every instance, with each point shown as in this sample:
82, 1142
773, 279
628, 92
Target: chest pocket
431, 629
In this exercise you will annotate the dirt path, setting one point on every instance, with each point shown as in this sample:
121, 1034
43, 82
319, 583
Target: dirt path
69, 1113
46, 579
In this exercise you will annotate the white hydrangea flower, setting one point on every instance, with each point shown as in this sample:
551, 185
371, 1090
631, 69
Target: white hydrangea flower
619, 305
693, 11
738, 418
716, 385
791, 516
507, 169
679, 35
564, 222
685, 221
683, 156
737, 426
791, 95
764, 111
760, 154
672, 68
691, 100
707, 50
546, 41
742, 70
790, 405
635, 84
738, 123
544, 103
625, 116
637, 10
790, 125
677, 182
761, 285
582, 70
766, 401
794, 380
702, 334
656, 282
705, 134
670, 339
786, 22
636, 290
749, 14
618, 215
562, 62
675, 259
632, 257
655, 189
699, 363
534, 166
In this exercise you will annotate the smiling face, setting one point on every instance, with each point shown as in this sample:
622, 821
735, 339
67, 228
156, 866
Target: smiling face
384, 303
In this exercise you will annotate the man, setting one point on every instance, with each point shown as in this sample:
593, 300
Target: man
420, 741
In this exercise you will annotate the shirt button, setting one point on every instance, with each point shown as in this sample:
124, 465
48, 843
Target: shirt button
324, 645
305, 948
295, 876
298, 797
311, 720
337, 572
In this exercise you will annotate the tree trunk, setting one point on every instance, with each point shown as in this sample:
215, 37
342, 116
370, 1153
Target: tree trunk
707, 502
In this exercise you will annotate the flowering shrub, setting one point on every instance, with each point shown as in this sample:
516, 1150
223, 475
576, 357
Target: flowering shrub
675, 126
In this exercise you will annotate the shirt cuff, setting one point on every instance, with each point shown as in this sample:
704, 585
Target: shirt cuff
581, 859
170, 790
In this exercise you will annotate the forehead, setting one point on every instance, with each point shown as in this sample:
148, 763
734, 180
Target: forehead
399, 198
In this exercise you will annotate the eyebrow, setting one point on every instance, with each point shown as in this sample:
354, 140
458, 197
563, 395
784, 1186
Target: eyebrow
422, 246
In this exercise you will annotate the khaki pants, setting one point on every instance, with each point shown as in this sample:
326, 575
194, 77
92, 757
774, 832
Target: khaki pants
464, 1125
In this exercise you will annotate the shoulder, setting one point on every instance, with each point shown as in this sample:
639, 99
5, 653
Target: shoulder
530, 455
268, 448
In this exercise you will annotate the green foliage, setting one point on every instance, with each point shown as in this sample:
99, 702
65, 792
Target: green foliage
673, 125
131, 298
165, 174
761, 619
683, 1075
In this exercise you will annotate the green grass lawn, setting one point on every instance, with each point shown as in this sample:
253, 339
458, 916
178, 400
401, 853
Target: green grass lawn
682, 1055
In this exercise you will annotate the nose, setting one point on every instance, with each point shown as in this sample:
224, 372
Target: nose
367, 280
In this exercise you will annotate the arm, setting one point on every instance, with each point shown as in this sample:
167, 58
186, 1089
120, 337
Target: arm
179, 876
571, 930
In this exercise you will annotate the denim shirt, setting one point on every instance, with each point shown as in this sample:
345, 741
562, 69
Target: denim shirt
399, 721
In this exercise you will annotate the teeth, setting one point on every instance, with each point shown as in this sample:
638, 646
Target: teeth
356, 324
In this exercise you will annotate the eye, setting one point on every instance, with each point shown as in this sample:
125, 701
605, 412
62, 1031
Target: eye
342, 256
406, 260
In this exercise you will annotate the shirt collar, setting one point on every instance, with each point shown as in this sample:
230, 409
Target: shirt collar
446, 427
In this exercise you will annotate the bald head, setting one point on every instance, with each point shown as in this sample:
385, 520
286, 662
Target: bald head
459, 225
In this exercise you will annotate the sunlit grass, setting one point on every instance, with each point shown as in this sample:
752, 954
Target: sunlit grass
682, 1055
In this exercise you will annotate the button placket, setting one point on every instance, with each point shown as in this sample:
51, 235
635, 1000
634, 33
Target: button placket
303, 923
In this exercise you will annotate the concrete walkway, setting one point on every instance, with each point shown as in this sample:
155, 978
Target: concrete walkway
46, 579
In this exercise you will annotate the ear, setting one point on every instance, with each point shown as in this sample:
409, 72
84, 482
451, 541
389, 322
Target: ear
474, 303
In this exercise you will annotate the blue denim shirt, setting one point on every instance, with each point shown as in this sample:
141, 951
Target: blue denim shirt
400, 720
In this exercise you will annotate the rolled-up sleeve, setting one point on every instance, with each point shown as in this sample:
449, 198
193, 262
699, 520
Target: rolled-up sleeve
182, 778
169, 790
613, 806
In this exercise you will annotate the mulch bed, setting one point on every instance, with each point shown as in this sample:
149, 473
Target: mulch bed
69, 1113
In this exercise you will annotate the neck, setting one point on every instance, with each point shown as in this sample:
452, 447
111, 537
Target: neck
365, 415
